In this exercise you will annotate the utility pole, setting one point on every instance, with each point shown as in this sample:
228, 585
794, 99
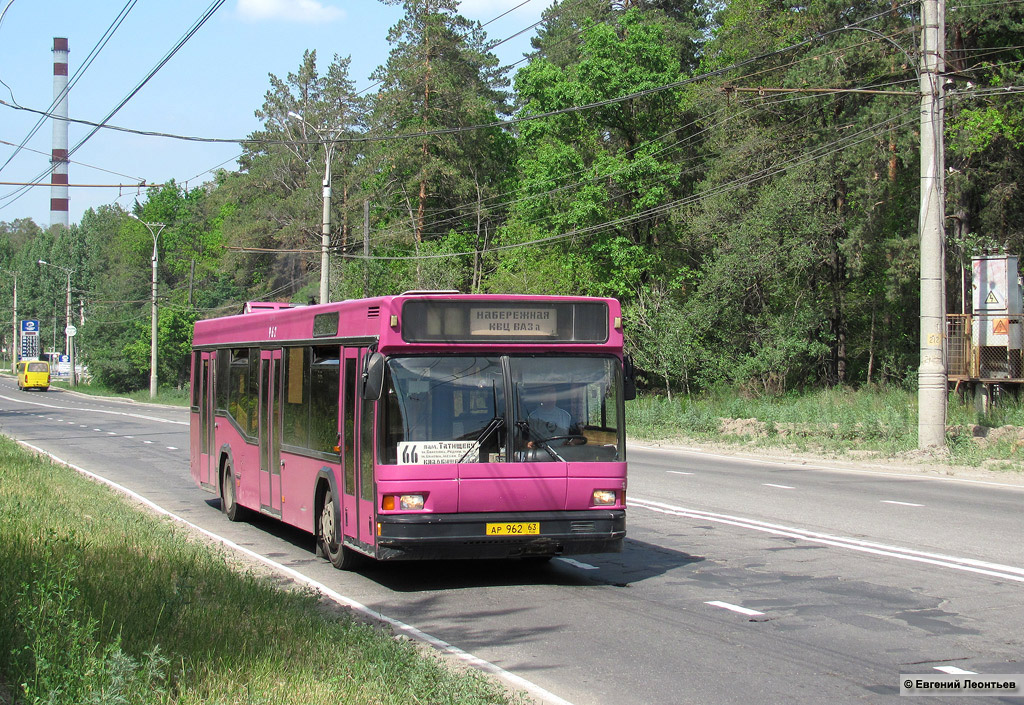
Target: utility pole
366, 247
15, 345
325, 232
154, 314
69, 328
932, 381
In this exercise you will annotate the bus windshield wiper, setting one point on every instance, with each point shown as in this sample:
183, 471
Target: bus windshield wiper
492, 426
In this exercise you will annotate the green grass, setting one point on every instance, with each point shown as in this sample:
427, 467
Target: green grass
882, 421
104, 603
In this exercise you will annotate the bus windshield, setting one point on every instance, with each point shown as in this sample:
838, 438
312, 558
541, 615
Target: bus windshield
453, 409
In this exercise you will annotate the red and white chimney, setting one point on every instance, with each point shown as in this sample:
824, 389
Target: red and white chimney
59, 157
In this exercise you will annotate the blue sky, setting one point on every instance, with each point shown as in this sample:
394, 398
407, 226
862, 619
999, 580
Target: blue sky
210, 88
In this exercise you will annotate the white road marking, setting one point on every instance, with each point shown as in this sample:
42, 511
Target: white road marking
577, 564
882, 471
516, 681
98, 430
902, 504
171, 448
678, 472
970, 565
94, 411
132, 437
734, 608
111, 433
781, 487
954, 671
147, 441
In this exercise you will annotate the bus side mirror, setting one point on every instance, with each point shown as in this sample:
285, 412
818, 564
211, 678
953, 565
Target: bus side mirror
628, 379
373, 377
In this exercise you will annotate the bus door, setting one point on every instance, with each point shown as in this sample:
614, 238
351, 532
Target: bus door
350, 489
270, 431
362, 458
206, 421
201, 423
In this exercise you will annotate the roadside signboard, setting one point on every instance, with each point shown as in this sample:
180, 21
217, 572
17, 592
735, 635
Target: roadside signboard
29, 339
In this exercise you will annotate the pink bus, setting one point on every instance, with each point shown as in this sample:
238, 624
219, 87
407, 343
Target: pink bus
426, 425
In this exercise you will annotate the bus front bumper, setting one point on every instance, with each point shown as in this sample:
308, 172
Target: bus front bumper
439, 536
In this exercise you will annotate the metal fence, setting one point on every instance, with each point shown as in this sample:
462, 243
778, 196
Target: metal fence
985, 346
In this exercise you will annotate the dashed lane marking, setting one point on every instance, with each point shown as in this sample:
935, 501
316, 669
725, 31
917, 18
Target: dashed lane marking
734, 608
902, 504
578, 564
781, 487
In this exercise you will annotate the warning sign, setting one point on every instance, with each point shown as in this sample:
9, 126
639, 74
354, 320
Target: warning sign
991, 298
1001, 326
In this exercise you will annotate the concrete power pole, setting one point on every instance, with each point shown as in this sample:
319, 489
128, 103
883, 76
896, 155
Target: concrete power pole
932, 381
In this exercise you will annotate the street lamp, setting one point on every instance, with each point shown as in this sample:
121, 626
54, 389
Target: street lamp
325, 236
14, 324
153, 326
69, 330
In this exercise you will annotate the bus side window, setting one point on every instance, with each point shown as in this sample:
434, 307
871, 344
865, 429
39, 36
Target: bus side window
222, 377
325, 376
366, 445
348, 411
295, 430
240, 406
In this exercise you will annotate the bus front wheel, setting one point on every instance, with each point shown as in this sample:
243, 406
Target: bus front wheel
228, 498
329, 535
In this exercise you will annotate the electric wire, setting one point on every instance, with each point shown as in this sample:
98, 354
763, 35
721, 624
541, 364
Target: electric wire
92, 55
214, 6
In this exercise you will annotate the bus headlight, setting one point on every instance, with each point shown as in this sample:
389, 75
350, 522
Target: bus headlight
604, 498
405, 502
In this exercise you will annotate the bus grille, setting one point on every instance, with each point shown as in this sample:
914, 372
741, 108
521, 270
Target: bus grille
582, 527
373, 312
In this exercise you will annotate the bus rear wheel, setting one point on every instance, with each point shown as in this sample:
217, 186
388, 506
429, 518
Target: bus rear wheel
328, 534
228, 498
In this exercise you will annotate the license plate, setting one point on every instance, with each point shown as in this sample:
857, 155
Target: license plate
524, 528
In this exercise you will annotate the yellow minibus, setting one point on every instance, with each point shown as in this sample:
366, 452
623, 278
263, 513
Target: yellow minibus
34, 374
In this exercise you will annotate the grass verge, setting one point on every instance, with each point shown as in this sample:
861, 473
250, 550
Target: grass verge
879, 421
104, 603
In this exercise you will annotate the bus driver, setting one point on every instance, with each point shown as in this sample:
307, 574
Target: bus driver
547, 420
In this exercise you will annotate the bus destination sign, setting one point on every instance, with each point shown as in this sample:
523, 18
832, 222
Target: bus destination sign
530, 322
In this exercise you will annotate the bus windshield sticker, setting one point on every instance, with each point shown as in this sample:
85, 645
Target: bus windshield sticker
513, 321
432, 452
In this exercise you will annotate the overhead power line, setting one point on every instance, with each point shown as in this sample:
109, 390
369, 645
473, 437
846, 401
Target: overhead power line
93, 53
14, 196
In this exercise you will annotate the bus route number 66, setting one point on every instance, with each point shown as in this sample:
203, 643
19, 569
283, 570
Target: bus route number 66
410, 456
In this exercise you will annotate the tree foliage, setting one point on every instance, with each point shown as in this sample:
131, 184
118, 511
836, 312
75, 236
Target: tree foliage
718, 167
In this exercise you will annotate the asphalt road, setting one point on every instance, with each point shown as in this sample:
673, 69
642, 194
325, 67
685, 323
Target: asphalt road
741, 581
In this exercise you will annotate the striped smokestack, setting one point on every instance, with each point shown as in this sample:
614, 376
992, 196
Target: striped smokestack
59, 158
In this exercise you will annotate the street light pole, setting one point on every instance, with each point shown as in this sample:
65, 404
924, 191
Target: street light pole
154, 315
14, 325
325, 232
69, 338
